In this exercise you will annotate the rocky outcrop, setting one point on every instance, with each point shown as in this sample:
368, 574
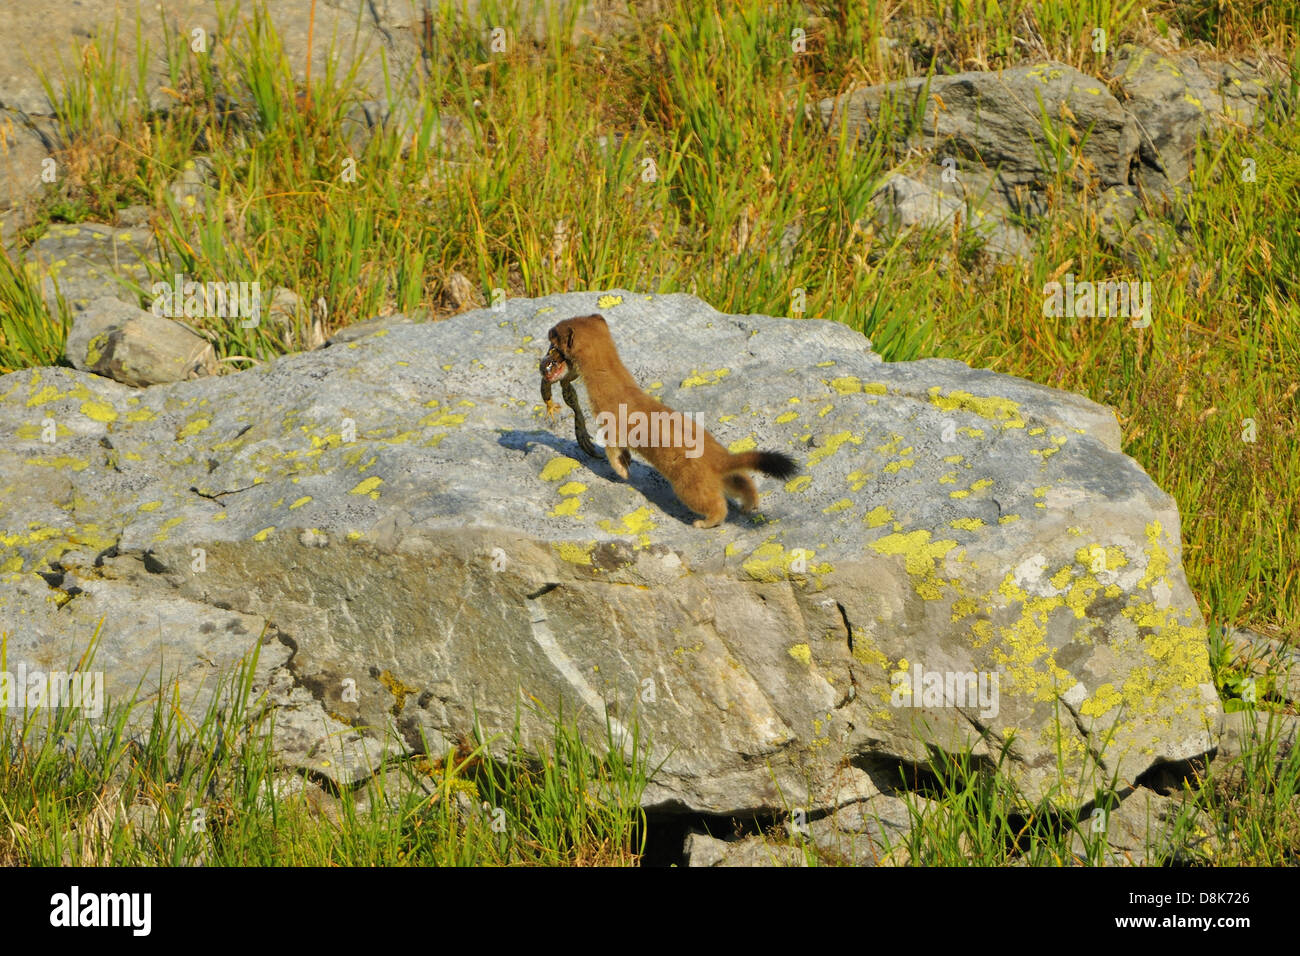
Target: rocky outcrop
993, 143
966, 560
1011, 123
1178, 98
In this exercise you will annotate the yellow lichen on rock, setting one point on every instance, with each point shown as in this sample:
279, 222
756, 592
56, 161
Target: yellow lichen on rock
706, 377
770, 562
573, 552
831, 445
920, 556
99, 411
1001, 410
558, 468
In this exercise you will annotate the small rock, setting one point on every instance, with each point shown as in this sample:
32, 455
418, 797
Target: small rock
133, 216
703, 850
26, 143
864, 833
135, 347
393, 784
285, 312
1157, 192
305, 736
1151, 238
406, 119
1242, 731
1117, 208
317, 336
463, 292
1140, 831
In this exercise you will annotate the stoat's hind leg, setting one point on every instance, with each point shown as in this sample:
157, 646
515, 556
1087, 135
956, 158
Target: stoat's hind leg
742, 488
704, 498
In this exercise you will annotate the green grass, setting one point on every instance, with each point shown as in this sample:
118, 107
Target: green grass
29, 333
145, 785
1250, 812
679, 157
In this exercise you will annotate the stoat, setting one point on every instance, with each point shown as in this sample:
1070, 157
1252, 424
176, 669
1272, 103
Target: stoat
701, 471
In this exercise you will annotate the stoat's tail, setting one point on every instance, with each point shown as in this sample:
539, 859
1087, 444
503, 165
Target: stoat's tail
768, 462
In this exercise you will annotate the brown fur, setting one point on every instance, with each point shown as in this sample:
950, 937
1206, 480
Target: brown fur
584, 346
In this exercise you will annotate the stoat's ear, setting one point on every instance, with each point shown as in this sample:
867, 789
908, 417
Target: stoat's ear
600, 319
570, 343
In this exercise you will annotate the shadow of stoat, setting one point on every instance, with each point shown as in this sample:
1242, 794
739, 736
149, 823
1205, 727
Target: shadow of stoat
644, 479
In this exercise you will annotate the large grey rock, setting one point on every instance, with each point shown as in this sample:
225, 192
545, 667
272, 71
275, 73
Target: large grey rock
995, 121
135, 347
439, 556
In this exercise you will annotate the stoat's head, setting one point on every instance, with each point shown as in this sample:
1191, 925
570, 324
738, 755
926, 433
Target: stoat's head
568, 345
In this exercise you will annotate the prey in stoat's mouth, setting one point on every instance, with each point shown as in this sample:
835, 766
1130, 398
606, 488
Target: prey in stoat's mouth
701, 471
553, 369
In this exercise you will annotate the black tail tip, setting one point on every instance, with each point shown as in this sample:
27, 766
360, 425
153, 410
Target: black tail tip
776, 464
